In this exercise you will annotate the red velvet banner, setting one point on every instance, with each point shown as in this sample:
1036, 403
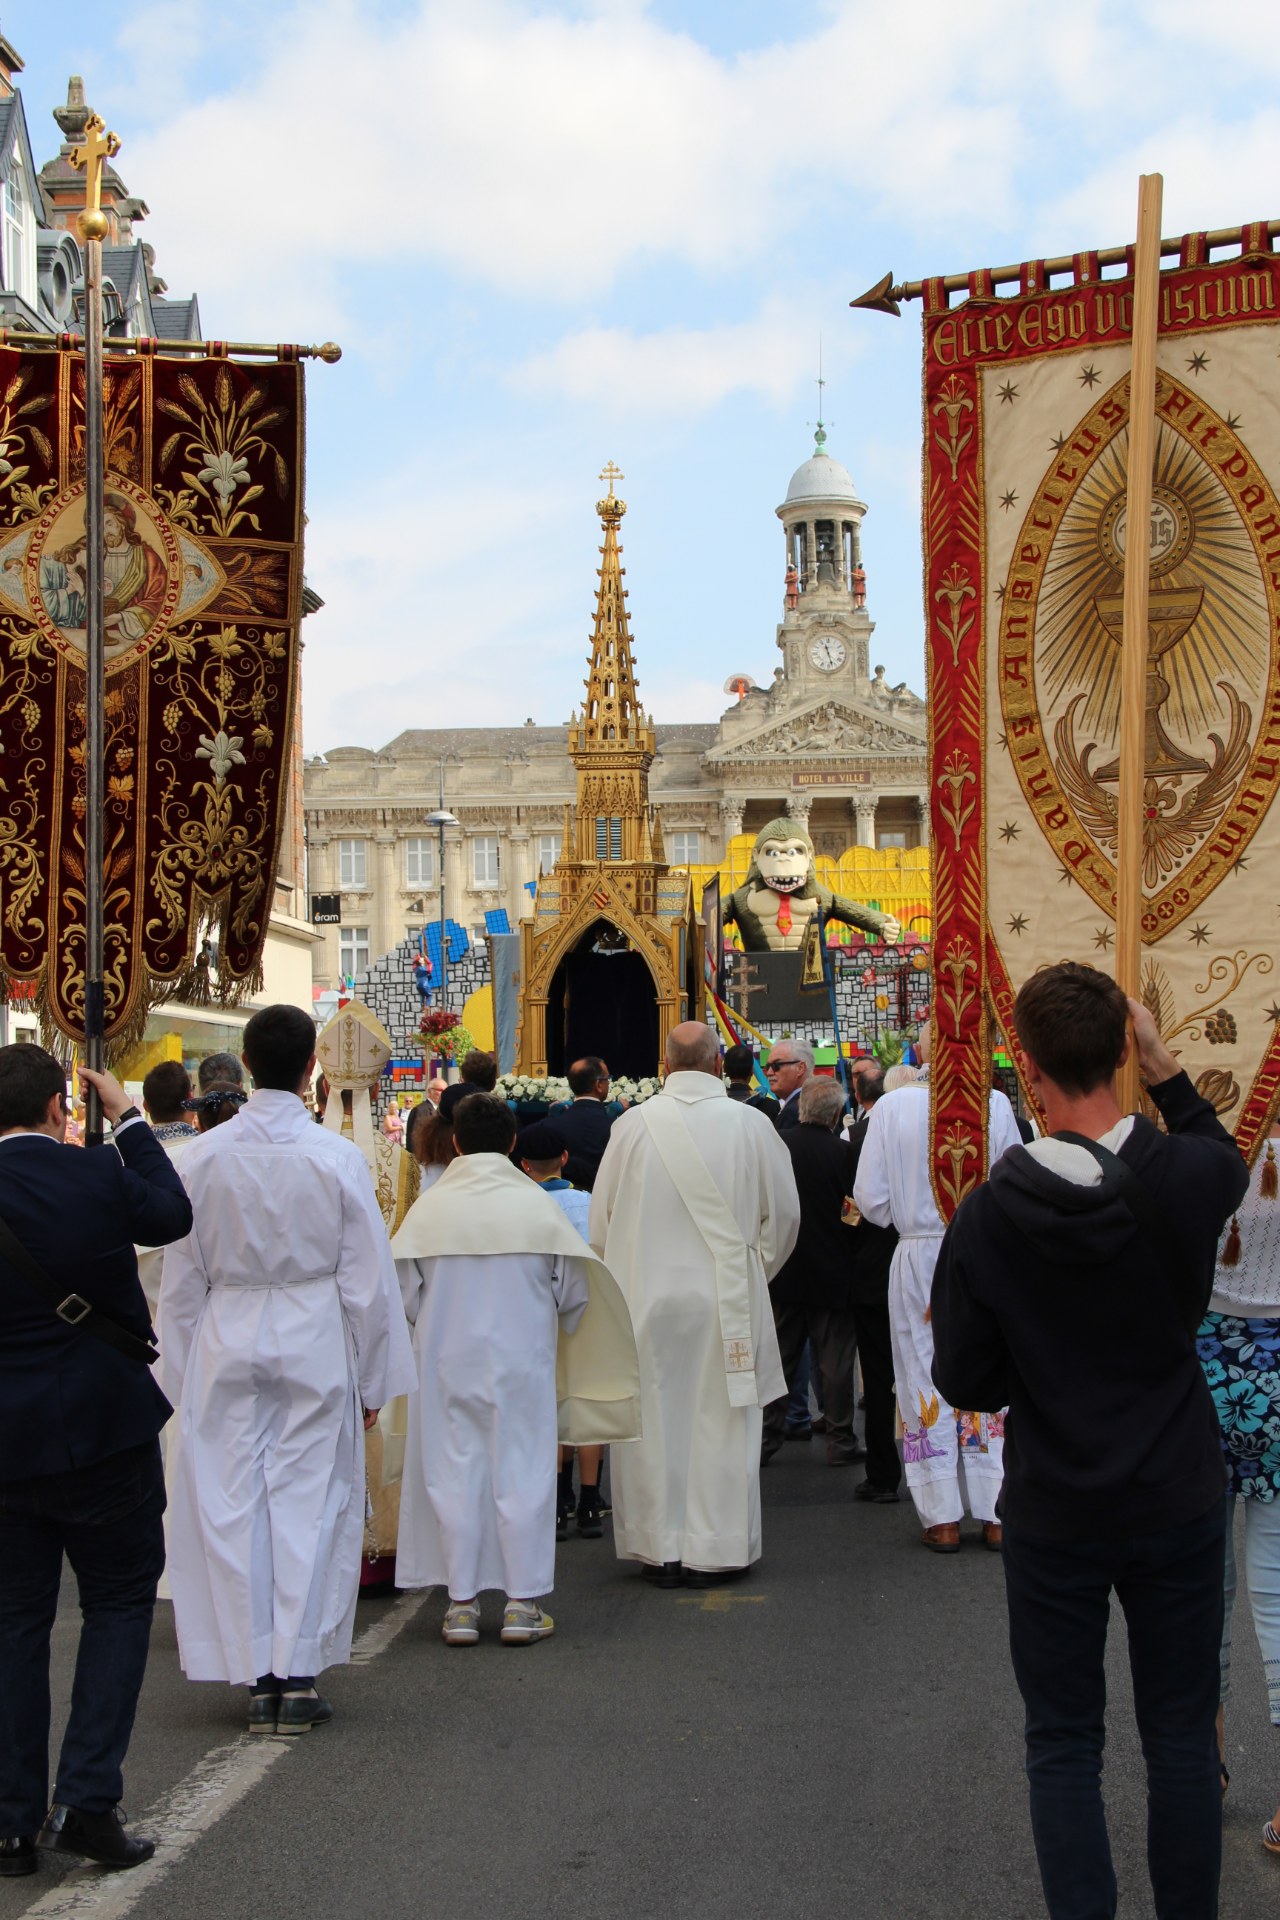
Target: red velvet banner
1026, 429
203, 583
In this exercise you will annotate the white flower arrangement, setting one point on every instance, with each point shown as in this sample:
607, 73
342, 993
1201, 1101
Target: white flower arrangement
531, 1089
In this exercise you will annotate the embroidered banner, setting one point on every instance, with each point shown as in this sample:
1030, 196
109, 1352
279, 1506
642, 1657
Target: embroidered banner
203, 581
1026, 434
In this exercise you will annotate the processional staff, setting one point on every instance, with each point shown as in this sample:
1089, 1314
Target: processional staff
98, 147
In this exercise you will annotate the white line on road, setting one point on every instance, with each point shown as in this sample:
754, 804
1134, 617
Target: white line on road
213, 1787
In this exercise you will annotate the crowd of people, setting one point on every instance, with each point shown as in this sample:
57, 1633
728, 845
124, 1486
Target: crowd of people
386, 1351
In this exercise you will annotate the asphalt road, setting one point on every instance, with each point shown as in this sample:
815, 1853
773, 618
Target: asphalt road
840, 1735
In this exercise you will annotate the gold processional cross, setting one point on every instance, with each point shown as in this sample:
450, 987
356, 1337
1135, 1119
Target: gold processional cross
99, 146
612, 473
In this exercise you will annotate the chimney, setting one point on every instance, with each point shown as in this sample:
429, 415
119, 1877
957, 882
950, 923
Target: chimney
10, 63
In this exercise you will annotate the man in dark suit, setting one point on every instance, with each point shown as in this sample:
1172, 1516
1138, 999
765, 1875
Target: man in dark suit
80, 1470
872, 1257
812, 1293
583, 1123
788, 1069
739, 1081
866, 1080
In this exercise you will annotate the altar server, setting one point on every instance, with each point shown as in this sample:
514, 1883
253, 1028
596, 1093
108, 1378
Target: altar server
280, 1321
694, 1210
511, 1313
892, 1189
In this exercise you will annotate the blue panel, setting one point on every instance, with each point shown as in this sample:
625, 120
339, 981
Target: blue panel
496, 921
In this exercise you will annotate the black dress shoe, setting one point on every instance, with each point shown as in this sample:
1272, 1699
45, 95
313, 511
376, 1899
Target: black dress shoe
880, 1496
100, 1837
299, 1712
669, 1574
846, 1456
717, 1577
264, 1711
17, 1856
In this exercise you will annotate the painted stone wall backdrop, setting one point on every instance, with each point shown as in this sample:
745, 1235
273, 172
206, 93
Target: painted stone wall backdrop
387, 988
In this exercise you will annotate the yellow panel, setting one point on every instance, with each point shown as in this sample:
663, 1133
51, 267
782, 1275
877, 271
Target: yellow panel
477, 1018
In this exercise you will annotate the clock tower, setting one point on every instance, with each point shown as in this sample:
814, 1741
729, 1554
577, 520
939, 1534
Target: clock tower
825, 633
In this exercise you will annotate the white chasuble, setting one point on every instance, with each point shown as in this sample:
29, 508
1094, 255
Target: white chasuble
694, 1266
279, 1318
511, 1314
892, 1189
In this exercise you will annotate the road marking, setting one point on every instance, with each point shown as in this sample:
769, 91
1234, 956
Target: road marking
216, 1784
716, 1600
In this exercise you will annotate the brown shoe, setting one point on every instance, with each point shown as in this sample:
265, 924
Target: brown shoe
992, 1535
943, 1539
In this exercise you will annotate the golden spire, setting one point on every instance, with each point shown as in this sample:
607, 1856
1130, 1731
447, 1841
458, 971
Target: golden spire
611, 718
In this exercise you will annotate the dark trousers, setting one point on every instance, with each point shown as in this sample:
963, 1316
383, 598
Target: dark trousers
831, 1345
108, 1519
884, 1468
1170, 1587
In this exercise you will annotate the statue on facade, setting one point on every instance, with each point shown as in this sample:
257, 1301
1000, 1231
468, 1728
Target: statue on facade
780, 896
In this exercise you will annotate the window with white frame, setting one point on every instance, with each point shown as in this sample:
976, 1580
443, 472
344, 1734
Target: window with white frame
353, 865
686, 849
890, 839
353, 951
19, 231
484, 860
419, 863
548, 850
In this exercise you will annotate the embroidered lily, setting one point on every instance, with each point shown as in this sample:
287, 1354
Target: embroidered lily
226, 473
222, 753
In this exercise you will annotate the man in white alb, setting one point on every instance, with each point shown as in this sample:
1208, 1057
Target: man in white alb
694, 1210
505, 1299
892, 1189
281, 1334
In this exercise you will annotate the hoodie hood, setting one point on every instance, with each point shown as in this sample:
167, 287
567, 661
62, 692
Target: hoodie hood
1068, 1224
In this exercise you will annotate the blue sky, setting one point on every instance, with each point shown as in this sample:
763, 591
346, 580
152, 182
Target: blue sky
552, 235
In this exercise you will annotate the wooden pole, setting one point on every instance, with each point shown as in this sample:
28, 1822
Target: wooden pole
1137, 631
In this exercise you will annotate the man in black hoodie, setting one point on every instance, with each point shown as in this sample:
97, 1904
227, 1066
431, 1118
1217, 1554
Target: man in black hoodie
1069, 1288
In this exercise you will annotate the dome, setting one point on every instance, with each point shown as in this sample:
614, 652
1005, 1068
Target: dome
821, 478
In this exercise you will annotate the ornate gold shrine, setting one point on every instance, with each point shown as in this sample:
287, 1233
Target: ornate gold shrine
611, 889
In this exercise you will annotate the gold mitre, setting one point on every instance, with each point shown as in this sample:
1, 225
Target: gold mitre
354, 1048
352, 1051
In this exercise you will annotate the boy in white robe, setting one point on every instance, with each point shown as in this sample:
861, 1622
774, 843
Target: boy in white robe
892, 1189
477, 1504
281, 1335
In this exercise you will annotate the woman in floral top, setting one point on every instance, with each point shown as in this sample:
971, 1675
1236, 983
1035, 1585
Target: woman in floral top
1239, 1344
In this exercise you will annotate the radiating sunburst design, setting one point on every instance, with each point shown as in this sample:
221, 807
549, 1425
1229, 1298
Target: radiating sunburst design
1228, 637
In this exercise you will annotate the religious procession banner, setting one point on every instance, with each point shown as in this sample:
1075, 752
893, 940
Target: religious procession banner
1026, 414
202, 582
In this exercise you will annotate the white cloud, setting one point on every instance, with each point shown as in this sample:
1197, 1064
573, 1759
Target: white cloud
682, 370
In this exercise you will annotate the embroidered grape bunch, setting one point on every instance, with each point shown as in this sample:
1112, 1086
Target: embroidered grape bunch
1220, 1028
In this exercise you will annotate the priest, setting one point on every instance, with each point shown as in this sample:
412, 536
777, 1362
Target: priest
511, 1314
280, 1326
694, 1210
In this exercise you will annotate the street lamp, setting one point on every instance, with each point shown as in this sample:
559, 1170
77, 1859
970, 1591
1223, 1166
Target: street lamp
441, 819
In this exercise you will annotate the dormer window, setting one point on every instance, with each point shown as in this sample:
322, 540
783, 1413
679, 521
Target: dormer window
19, 232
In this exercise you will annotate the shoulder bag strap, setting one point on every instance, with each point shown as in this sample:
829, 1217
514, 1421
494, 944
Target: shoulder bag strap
72, 1308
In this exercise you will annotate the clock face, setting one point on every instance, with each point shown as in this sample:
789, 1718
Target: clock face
827, 653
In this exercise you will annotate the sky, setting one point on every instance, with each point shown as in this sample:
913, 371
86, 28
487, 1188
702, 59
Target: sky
549, 236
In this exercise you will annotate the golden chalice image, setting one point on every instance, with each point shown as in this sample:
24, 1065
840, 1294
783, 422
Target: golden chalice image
1172, 612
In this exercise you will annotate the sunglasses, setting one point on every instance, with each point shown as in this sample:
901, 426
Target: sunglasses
776, 1066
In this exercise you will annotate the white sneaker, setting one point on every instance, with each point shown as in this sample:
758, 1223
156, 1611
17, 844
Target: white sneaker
462, 1623
523, 1623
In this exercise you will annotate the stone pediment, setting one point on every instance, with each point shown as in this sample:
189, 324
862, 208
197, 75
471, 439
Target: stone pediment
827, 730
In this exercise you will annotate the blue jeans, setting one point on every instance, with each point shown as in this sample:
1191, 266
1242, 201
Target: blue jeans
108, 1519
1262, 1583
1169, 1585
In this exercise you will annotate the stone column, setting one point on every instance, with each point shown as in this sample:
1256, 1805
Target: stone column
386, 926
731, 816
518, 870
922, 817
864, 813
799, 806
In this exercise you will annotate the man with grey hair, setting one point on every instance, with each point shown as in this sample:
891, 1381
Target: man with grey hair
693, 1210
219, 1069
812, 1294
788, 1068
